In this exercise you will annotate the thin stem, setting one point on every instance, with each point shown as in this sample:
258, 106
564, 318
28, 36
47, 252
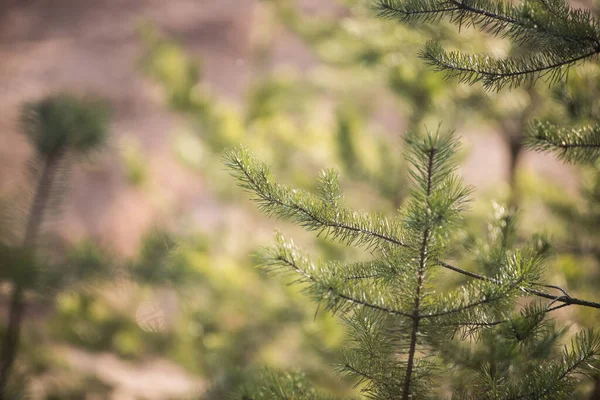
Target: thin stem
17, 306
420, 273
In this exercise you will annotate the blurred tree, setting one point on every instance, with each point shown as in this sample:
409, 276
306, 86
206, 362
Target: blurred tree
60, 128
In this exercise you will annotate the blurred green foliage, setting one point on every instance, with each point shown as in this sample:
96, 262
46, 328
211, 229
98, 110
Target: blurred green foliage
64, 122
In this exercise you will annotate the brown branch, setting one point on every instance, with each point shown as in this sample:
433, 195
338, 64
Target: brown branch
420, 273
565, 298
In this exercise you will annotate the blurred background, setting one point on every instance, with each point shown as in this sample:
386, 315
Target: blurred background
180, 311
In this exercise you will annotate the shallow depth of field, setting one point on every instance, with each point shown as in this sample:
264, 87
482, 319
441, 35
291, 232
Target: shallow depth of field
175, 307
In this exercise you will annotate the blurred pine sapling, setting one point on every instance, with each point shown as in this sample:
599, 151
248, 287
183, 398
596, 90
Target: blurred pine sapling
61, 129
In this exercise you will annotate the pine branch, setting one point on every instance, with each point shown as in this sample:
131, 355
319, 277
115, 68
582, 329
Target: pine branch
561, 35
477, 305
551, 65
435, 207
372, 361
524, 327
361, 375
413, 11
566, 299
547, 382
324, 283
271, 385
385, 384
574, 145
531, 22
466, 305
311, 212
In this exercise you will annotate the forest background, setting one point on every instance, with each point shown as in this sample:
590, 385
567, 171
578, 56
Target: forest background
306, 85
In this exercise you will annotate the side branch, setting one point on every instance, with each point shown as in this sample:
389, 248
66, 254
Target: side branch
497, 18
474, 304
335, 293
565, 298
496, 73
579, 145
361, 230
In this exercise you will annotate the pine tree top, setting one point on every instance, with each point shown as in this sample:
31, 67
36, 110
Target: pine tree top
397, 316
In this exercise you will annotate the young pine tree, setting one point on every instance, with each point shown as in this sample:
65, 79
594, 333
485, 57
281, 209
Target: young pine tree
399, 319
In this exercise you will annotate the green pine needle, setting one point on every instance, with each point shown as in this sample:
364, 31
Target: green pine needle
574, 145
